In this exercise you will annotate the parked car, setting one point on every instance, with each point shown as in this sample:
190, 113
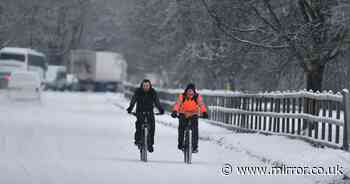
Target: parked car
25, 84
24, 80
72, 83
59, 84
4, 79
56, 78
5, 75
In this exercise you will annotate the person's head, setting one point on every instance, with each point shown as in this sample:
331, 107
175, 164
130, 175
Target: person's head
190, 89
146, 85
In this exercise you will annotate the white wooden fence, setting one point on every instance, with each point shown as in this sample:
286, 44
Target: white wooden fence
320, 118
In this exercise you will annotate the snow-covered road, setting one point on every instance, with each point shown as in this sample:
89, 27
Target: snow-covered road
72, 138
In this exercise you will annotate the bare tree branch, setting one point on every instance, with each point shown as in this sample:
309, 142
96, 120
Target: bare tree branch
225, 29
5, 43
273, 14
258, 14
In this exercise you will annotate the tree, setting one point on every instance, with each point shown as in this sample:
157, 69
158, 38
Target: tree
309, 29
53, 27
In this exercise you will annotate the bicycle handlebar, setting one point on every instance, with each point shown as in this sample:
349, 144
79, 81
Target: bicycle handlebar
198, 115
146, 113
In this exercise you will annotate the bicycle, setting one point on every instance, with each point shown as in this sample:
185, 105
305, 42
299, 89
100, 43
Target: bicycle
144, 134
187, 143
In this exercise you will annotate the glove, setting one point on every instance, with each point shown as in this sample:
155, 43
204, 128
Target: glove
205, 115
174, 114
161, 111
129, 109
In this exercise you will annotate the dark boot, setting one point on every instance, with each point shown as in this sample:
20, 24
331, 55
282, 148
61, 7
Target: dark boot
150, 149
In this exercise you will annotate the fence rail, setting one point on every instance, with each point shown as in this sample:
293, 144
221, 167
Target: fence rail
321, 118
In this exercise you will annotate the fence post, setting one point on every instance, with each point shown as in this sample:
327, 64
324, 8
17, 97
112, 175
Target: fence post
346, 128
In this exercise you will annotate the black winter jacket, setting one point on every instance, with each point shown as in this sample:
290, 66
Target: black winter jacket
145, 100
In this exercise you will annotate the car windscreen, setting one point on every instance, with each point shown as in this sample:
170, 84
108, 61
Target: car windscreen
12, 56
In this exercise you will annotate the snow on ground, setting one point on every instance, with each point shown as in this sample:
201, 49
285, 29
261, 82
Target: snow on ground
273, 150
88, 138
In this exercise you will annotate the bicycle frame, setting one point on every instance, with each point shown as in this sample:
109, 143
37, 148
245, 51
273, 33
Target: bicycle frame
188, 142
144, 133
144, 136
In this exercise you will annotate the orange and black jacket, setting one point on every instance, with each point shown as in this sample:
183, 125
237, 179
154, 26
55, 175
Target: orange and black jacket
186, 103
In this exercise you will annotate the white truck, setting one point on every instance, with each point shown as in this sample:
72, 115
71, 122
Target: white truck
98, 71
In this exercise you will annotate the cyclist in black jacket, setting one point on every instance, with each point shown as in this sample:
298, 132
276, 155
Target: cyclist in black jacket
145, 98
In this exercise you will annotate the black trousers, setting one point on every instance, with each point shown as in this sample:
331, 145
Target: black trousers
181, 130
151, 129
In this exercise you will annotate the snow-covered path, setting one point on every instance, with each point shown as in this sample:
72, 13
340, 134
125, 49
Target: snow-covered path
73, 138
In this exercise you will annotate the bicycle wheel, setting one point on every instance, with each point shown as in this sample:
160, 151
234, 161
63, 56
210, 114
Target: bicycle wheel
189, 156
143, 150
185, 146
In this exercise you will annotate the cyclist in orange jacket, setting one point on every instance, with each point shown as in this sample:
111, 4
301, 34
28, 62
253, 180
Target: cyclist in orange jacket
189, 104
